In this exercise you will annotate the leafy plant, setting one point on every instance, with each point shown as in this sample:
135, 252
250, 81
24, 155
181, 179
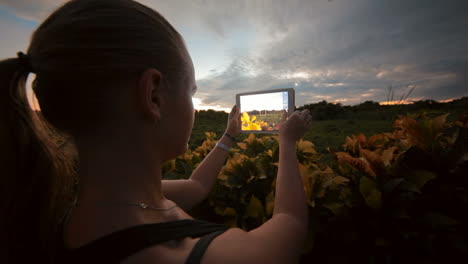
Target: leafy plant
393, 197
251, 122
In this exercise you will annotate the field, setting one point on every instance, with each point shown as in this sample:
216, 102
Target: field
333, 122
332, 133
324, 133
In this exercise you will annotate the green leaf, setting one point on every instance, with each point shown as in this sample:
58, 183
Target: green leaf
420, 178
171, 176
335, 207
440, 220
371, 194
401, 213
183, 168
219, 210
391, 185
409, 187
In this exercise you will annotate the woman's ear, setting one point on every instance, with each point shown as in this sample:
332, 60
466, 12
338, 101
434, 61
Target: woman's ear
150, 93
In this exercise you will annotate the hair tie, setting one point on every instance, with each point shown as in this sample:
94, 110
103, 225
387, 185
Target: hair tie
25, 61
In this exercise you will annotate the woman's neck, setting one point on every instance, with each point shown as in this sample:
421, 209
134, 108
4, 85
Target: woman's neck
116, 171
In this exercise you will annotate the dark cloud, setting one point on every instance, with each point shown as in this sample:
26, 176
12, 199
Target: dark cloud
371, 45
338, 50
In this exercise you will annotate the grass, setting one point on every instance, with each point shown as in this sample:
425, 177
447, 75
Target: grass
332, 133
324, 133
206, 124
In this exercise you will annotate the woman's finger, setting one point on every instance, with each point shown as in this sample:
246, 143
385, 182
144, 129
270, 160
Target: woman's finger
233, 112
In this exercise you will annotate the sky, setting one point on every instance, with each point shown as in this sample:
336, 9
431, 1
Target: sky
335, 50
267, 101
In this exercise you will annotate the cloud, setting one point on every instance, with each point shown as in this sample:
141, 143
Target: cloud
363, 46
342, 51
36, 10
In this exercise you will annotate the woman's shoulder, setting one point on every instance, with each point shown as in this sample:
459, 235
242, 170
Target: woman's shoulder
222, 249
170, 238
79, 229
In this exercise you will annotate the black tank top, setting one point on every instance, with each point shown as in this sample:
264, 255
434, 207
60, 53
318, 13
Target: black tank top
117, 246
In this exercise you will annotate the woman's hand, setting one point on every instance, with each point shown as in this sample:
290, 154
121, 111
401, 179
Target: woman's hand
295, 126
234, 123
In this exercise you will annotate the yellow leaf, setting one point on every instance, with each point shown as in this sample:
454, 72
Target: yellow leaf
239, 158
253, 126
349, 143
340, 180
235, 160
270, 153
245, 118
253, 118
251, 178
311, 202
327, 170
242, 145
377, 140
361, 139
304, 171
188, 155
387, 155
250, 139
373, 157
270, 203
210, 135
306, 146
255, 208
229, 211
358, 163
222, 176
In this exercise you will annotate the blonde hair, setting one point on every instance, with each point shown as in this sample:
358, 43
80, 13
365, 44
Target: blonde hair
79, 54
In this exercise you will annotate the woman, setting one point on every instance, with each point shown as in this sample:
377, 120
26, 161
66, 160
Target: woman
116, 78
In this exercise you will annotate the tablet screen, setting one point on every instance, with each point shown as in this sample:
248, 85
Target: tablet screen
264, 111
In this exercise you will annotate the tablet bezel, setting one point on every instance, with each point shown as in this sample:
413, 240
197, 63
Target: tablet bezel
291, 105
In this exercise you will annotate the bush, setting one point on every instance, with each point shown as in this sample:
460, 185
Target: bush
393, 197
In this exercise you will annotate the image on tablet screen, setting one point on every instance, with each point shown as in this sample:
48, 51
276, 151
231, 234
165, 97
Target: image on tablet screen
263, 112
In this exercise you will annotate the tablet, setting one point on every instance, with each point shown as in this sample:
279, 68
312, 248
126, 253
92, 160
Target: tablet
262, 111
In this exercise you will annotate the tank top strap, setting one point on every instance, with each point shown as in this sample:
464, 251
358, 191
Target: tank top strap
117, 246
201, 246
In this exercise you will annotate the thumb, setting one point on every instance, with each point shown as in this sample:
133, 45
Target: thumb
285, 115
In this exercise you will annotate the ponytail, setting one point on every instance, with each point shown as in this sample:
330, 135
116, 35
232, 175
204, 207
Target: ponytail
36, 173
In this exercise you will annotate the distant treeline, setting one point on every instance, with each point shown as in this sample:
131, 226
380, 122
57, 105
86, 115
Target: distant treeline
216, 121
371, 110
368, 110
264, 112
